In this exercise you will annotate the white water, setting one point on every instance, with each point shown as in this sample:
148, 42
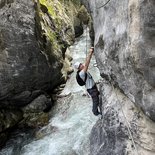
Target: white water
72, 119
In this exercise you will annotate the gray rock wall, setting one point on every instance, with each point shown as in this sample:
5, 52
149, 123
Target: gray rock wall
23, 65
26, 70
124, 50
124, 42
124, 129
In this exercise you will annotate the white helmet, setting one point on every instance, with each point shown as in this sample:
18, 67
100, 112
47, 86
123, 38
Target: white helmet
76, 65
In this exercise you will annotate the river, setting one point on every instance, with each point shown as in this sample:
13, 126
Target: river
69, 127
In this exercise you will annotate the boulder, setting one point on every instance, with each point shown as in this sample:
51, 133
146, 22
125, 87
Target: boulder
39, 104
34, 120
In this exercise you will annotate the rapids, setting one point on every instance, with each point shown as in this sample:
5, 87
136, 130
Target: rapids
69, 127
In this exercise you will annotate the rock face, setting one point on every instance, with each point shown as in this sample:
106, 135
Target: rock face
25, 63
124, 41
124, 128
124, 50
19, 57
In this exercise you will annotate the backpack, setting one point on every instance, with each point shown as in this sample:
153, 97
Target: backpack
79, 80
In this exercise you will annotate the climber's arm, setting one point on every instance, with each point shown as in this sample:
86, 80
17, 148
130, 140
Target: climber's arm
88, 59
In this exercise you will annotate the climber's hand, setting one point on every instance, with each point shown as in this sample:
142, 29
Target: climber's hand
91, 50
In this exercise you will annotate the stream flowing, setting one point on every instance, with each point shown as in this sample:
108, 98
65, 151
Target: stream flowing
69, 127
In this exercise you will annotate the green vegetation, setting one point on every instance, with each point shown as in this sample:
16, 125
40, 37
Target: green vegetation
55, 22
50, 27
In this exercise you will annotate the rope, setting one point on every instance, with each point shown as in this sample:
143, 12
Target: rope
127, 123
103, 5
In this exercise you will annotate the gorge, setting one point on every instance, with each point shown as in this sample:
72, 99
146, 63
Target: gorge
34, 60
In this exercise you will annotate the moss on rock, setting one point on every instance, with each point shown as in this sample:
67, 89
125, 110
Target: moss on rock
34, 120
55, 22
83, 15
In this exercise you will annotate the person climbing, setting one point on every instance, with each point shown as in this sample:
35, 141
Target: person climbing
83, 77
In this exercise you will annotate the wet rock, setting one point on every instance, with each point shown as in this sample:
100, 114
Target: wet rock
38, 105
61, 95
34, 120
68, 55
67, 67
62, 85
3, 139
45, 131
57, 90
83, 15
78, 27
24, 98
9, 118
35, 113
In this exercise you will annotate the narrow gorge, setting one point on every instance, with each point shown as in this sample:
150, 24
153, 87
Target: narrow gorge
34, 60
38, 42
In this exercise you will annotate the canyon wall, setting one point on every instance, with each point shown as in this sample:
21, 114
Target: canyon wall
125, 54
